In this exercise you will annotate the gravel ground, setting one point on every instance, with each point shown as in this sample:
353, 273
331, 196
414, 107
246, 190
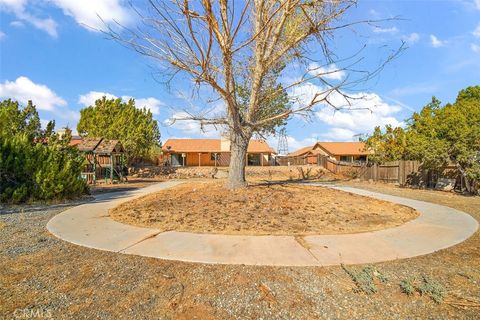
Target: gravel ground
45, 276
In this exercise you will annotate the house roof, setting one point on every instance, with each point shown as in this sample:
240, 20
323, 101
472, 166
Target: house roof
108, 146
75, 141
343, 148
259, 146
301, 152
334, 149
210, 145
99, 145
89, 144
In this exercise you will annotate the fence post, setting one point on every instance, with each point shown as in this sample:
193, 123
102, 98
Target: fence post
401, 169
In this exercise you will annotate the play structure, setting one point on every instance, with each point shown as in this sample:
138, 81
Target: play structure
104, 160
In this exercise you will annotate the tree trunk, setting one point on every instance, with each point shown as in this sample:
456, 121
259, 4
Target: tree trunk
468, 185
238, 157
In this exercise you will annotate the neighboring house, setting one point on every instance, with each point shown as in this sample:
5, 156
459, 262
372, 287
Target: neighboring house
212, 152
340, 151
76, 140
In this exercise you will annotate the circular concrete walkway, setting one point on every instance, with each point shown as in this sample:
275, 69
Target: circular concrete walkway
437, 227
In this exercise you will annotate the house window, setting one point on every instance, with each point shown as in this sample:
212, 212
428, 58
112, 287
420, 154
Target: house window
253, 159
346, 158
213, 156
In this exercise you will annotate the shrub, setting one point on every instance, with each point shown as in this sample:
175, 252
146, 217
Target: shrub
407, 287
34, 171
364, 279
432, 288
426, 286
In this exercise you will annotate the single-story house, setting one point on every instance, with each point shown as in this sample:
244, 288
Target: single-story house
340, 151
212, 152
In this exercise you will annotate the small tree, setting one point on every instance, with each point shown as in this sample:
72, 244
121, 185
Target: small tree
115, 119
34, 164
234, 48
450, 134
437, 136
390, 145
16, 120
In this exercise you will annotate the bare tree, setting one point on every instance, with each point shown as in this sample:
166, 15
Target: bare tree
223, 43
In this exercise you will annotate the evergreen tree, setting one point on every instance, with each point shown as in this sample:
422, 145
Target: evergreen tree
437, 136
34, 163
115, 119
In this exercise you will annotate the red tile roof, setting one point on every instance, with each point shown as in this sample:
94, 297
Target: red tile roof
75, 141
343, 148
301, 152
334, 149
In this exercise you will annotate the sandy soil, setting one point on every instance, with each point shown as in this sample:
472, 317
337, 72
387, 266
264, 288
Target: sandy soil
277, 209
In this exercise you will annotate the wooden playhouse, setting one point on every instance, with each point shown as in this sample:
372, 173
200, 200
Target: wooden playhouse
104, 160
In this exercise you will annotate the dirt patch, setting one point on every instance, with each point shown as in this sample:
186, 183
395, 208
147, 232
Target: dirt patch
276, 209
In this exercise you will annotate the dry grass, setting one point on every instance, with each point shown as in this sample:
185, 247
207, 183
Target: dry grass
276, 209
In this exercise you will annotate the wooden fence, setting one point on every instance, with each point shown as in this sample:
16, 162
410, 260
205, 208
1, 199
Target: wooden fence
404, 172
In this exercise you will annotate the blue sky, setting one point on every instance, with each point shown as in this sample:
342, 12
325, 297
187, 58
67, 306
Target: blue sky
49, 53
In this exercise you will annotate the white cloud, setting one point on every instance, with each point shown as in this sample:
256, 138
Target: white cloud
23, 89
48, 25
360, 114
435, 42
2, 35
303, 94
477, 4
331, 72
476, 32
391, 30
293, 143
412, 38
475, 48
90, 13
17, 24
152, 104
89, 98
338, 134
13, 5
18, 7
180, 121
365, 111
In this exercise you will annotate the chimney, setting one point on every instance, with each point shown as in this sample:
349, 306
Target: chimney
224, 144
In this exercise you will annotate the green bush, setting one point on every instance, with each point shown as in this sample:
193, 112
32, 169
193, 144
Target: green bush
35, 164
38, 172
